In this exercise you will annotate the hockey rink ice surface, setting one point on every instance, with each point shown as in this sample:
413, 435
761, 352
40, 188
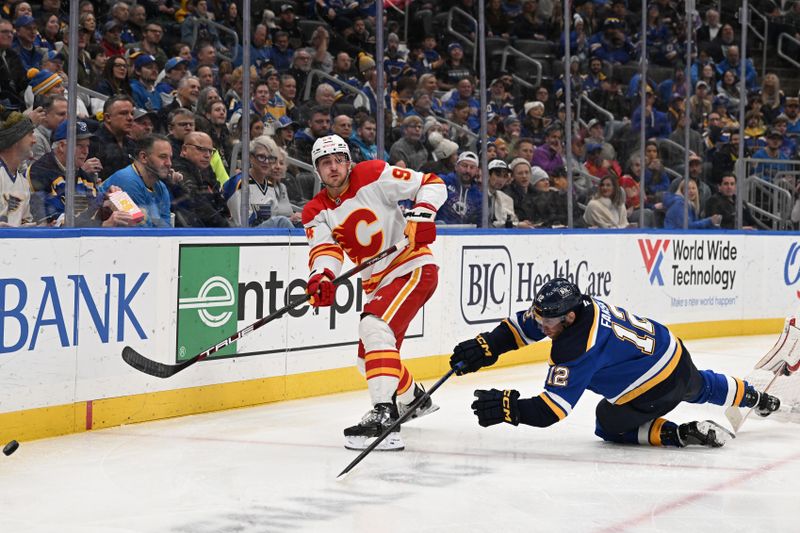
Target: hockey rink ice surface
274, 467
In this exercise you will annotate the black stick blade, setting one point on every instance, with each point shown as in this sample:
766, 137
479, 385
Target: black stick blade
153, 368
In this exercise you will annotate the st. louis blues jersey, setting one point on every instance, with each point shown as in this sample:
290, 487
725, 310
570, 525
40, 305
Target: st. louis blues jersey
607, 350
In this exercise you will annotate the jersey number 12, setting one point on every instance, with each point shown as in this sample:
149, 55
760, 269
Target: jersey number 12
645, 342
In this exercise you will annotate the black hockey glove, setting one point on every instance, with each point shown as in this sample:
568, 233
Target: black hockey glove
495, 406
474, 354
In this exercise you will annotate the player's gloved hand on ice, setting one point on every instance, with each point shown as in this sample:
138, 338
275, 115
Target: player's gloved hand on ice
473, 354
420, 227
495, 406
321, 288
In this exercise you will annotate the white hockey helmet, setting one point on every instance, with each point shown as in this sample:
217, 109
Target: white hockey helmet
330, 144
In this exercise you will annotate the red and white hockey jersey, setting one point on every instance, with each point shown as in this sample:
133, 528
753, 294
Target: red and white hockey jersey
365, 219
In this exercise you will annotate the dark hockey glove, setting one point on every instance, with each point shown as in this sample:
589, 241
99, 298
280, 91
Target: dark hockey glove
495, 406
473, 354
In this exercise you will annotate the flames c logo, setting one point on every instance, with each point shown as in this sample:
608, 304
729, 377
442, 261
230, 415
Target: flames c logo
360, 235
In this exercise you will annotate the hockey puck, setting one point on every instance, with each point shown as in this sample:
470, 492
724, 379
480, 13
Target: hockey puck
11, 447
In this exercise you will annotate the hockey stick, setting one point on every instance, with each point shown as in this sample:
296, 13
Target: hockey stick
411, 408
734, 413
162, 370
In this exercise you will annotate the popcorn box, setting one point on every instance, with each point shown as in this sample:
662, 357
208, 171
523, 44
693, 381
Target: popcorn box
122, 202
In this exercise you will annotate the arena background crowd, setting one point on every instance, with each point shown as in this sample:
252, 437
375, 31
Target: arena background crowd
160, 83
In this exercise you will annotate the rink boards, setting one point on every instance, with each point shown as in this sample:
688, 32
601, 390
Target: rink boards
69, 304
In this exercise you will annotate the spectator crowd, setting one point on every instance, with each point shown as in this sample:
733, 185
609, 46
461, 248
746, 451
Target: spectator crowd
160, 110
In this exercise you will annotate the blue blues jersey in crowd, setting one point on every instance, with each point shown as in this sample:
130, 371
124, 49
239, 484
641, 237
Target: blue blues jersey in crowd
607, 350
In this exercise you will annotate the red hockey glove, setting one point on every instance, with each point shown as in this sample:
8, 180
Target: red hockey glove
321, 288
420, 227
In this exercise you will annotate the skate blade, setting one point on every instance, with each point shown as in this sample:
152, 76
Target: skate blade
419, 413
392, 443
721, 435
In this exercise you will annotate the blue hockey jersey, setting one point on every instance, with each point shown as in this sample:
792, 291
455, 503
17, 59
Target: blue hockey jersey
607, 350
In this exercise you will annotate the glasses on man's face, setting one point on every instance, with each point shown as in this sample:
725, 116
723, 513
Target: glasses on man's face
203, 149
264, 158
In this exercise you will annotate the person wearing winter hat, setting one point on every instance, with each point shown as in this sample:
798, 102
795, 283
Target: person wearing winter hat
444, 154
16, 142
44, 82
501, 205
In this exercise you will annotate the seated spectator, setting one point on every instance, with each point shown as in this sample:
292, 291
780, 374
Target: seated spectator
288, 23
498, 23
150, 43
769, 171
607, 208
111, 143
771, 97
409, 151
754, 131
522, 191
144, 180
629, 183
454, 68
13, 74
143, 85
657, 123
725, 155
185, 98
197, 24
402, 101
428, 84
596, 164
700, 104
143, 124
464, 196
656, 180
534, 123
112, 39
723, 204
731, 62
595, 133
55, 112
674, 206
115, 80
501, 205
612, 45
728, 86
281, 54
16, 141
218, 129
319, 125
551, 204
792, 113
181, 123
789, 147
24, 43
444, 154
548, 156
364, 140
174, 71
197, 199
268, 197
529, 25
464, 93
285, 129
47, 176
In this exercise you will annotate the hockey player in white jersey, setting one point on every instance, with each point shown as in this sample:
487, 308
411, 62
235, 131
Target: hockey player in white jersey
357, 214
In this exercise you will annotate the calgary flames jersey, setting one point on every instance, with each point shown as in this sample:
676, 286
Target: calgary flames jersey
366, 218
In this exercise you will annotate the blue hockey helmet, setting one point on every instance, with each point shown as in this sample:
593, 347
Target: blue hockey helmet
556, 298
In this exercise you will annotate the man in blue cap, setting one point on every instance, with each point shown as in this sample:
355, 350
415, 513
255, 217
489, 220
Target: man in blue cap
174, 71
145, 71
47, 176
24, 42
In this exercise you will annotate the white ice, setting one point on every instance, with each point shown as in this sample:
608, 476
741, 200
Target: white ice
274, 468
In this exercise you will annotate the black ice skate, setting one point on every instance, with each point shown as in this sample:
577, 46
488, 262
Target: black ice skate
374, 423
762, 403
705, 433
425, 408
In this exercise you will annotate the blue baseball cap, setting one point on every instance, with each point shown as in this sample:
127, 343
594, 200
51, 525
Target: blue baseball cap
174, 62
24, 20
285, 121
81, 131
142, 60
